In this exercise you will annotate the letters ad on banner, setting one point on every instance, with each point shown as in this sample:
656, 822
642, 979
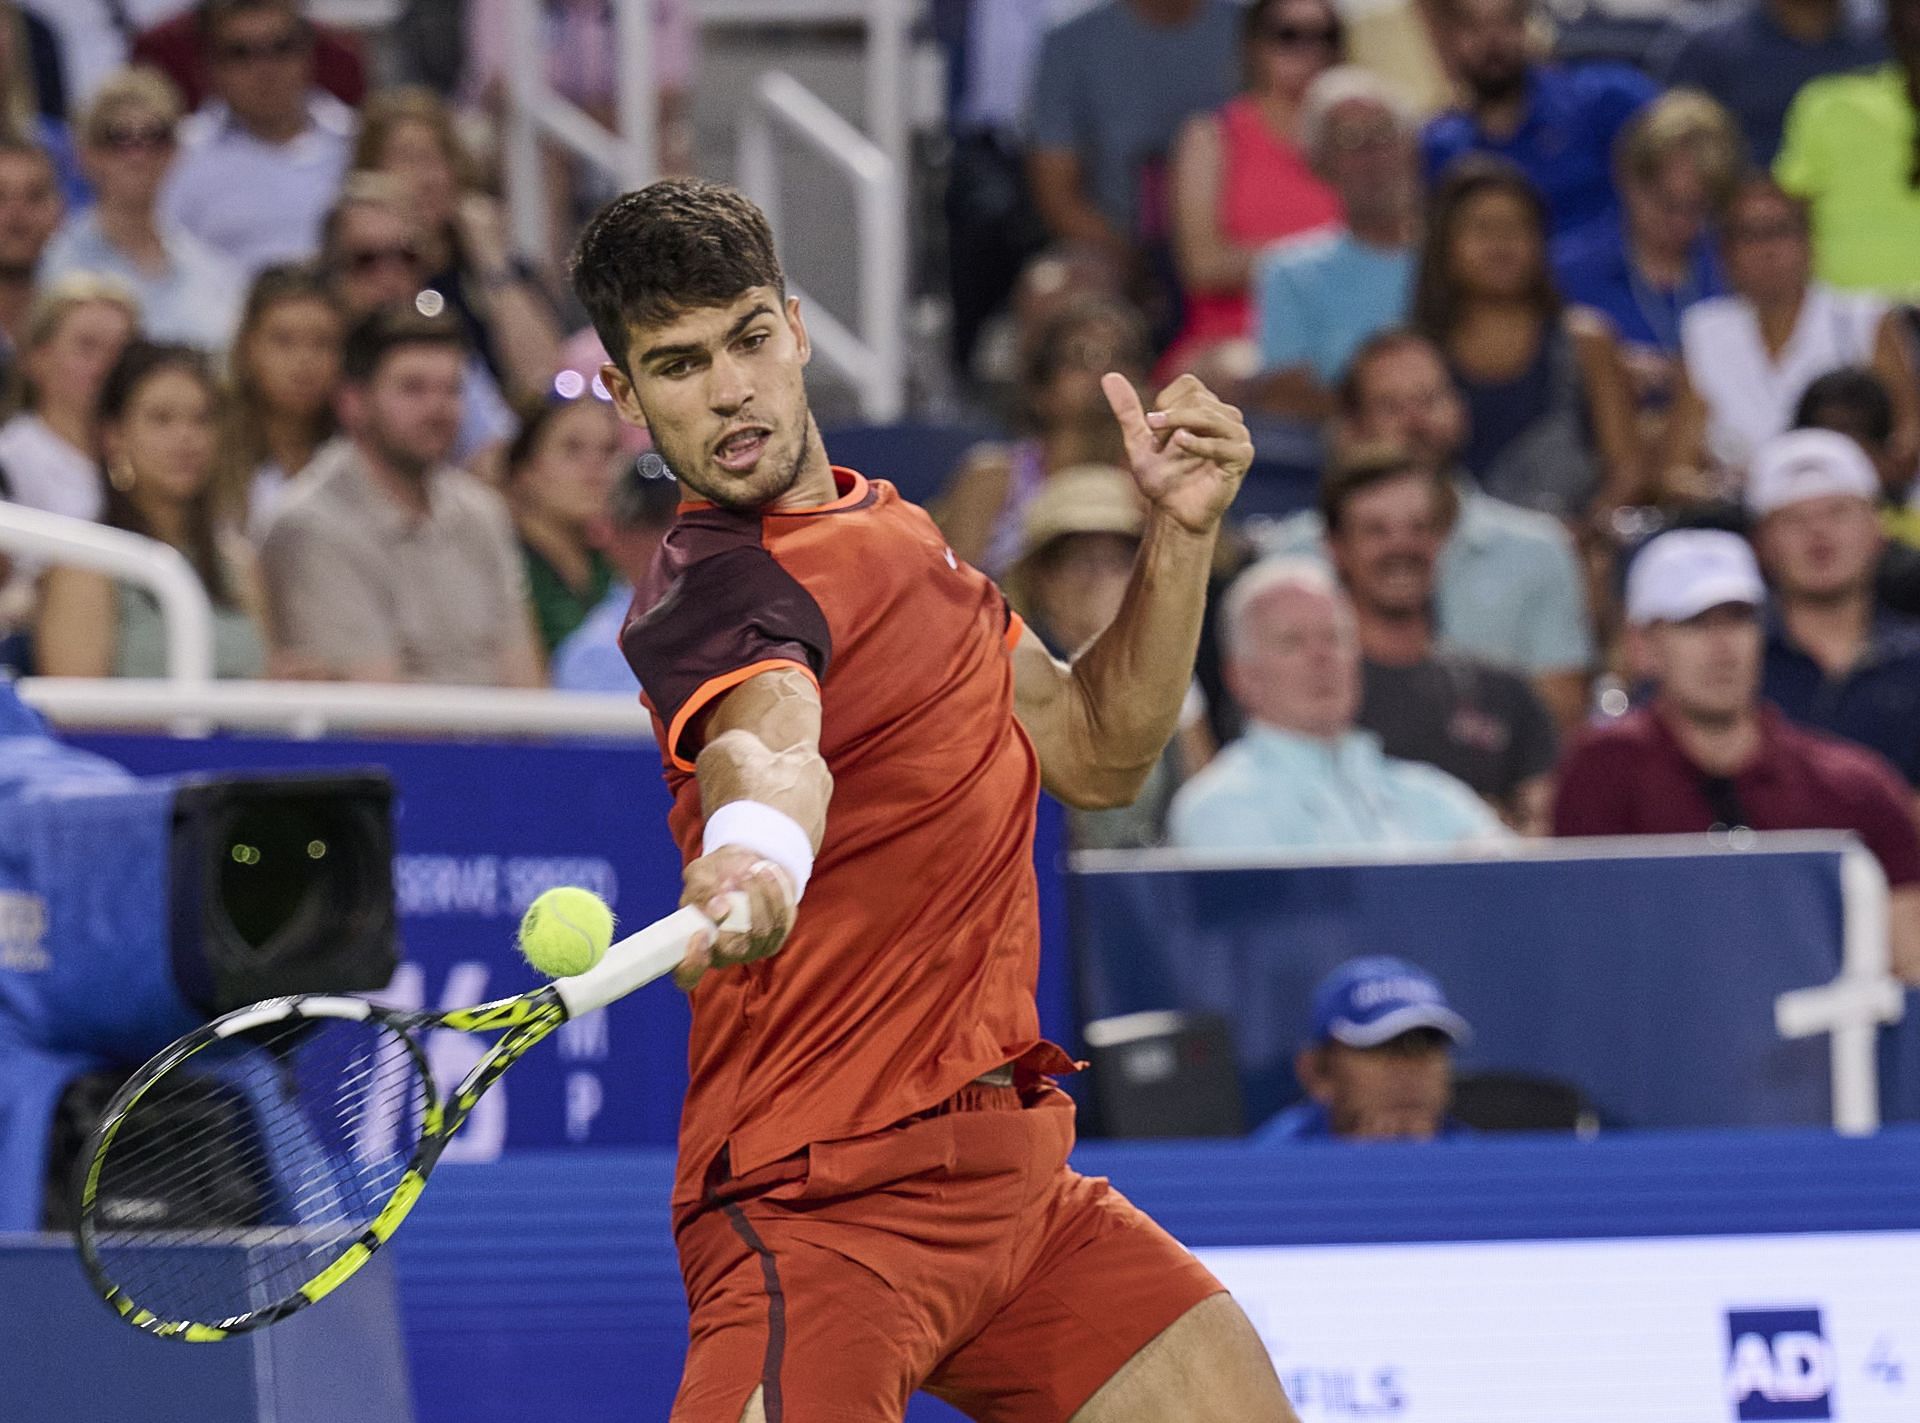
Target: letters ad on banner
1698, 1330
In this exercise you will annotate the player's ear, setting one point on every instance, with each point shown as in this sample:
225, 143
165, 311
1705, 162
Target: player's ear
626, 403
799, 329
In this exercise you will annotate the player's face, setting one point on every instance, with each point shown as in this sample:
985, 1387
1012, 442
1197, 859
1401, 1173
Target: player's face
1297, 665
1708, 667
1395, 1092
1388, 542
1823, 548
722, 390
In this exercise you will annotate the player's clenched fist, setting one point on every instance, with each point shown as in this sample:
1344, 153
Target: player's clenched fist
1188, 454
770, 901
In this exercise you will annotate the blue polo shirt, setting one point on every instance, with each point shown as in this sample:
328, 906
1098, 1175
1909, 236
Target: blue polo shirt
1565, 142
1309, 1121
1751, 65
1875, 704
1594, 268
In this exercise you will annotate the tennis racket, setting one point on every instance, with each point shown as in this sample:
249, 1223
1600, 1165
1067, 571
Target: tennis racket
299, 1132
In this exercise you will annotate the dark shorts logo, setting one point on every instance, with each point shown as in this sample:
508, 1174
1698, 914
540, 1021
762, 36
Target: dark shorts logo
1779, 1365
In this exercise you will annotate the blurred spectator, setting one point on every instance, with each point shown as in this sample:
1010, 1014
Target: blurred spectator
1754, 56
1558, 125
49, 448
23, 114
1853, 401
1239, 181
1082, 533
158, 426
30, 210
286, 372
1386, 517
1709, 752
187, 291
386, 563
1398, 40
581, 42
46, 56
1550, 406
178, 48
1676, 164
260, 162
1065, 421
1380, 1065
1834, 659
1509, 583
90, 39
1101, 129
1302, 776
1747, 357
639, 515
370, 250
1318, 297
560, 472
1851, 152
409, 135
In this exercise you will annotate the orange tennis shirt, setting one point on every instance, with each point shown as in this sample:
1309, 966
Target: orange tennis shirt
913, 959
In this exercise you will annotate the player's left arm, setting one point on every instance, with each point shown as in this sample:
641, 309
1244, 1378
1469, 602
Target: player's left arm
1101, 723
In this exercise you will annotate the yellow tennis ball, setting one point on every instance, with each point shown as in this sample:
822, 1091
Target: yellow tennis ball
565, 931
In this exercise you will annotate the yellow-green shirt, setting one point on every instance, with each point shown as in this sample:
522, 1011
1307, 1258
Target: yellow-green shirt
1848, 150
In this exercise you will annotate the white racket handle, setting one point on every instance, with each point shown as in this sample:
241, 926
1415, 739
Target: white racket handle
640, 958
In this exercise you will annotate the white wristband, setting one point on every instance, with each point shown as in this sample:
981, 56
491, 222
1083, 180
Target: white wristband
754, 825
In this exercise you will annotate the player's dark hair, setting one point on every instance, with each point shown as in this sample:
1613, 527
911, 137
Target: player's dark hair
672, 247
387, 329
1850, 390
1357, 470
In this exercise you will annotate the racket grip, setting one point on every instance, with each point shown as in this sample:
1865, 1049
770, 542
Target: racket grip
638, 959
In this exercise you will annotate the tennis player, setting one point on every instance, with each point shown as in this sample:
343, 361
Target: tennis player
873, 1194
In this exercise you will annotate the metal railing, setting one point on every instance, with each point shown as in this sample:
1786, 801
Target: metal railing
185, 612
626, 153
309, 710
873, 357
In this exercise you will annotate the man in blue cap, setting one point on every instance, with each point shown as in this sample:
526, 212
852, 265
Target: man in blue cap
1380, 1066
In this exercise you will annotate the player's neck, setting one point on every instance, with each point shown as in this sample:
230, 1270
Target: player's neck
814, 485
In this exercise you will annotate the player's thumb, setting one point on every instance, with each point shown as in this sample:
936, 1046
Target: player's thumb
1124, 401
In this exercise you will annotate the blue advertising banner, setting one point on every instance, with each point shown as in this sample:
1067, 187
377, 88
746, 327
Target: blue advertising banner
480, 830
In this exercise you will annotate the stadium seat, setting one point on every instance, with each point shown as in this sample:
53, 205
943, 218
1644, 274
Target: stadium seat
1164, 1075
916, 457
1513, 1101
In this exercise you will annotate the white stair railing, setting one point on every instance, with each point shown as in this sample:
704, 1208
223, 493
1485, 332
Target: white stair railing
869, 351
185, 612
627, 153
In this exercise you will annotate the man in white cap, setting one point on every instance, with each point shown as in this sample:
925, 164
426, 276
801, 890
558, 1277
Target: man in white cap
1834, 659
1708, 753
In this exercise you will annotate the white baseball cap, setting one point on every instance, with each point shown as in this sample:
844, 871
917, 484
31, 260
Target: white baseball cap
1681, 574
1808, 464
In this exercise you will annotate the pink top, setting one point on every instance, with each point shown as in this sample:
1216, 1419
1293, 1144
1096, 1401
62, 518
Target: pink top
1267, 192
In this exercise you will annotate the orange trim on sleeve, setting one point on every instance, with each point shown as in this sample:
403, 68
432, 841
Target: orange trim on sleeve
1015, 626
714, 687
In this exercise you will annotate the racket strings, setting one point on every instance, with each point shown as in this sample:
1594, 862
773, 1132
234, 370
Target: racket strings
283, 1143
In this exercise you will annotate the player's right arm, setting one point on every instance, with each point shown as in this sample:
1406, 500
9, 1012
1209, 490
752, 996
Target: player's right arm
764, 788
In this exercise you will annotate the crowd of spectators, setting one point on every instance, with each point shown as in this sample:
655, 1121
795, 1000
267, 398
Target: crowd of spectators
257, 309
1571, 342
1609, 365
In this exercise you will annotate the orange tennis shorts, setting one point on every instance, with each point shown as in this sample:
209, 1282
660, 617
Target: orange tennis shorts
954, 1252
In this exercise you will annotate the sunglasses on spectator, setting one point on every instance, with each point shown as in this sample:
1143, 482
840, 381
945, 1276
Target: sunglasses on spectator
291, 45
127, 138
368, 259
1300, 36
